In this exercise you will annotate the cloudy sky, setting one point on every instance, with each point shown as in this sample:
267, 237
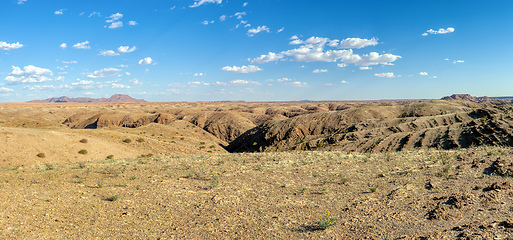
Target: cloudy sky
255, 50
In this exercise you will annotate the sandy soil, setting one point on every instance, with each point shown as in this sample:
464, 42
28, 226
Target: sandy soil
406, 195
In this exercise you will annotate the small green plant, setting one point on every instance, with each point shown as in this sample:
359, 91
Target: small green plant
202, 143
99, 184
127, 140
326, 221
83, 140
302, 190
113, 198
49, 166
215, 180
133, 178
140, 140
81, 165
41, 155
110, 157
343, 180
373, 188
82, 151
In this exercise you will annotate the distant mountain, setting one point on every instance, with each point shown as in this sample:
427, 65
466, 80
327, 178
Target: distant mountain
116, 98
468, 97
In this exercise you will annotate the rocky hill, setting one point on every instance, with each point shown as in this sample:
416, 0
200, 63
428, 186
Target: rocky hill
116, 98
422, 125
468, 97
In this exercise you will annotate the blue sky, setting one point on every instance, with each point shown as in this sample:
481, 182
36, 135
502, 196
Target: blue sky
254, 50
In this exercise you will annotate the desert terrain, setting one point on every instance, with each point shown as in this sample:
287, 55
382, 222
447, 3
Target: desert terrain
257, 170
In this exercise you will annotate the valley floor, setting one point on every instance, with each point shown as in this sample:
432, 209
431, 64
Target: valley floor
297, 195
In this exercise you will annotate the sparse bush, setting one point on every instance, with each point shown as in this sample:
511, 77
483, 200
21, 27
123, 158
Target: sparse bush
41, 155
127, 140
140, 140
82, 151
113, 198
326, 221
81, 165
110, 157
49, 166
83, 140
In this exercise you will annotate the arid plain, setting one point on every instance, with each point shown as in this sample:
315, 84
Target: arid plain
208, 170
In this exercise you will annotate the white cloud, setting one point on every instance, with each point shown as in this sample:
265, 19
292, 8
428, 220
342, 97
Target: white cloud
365, 68
245, 4
283, 80
117, 85
387, 75
312, 50
199, 74
116, 25
253, 31
243, 82
296, 42
195, 84
106, 72
440, 31
132, 23
135, 82
458, 61
237, 82
280, 30
297, 84
207, 22
357, 43
145, 61
10, 46
201, 2
243, 69
320, 71
239, 14
59, 12
127, 73
46, 88
85, 85
5, 90
95, 13
21, 1
108, 53
122, 66
222, 18
446, 59
114, 20
126, 49
341, 65
82, 45
294, 37
344, 82
423, 73
29, 74
270, 57
63, 45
